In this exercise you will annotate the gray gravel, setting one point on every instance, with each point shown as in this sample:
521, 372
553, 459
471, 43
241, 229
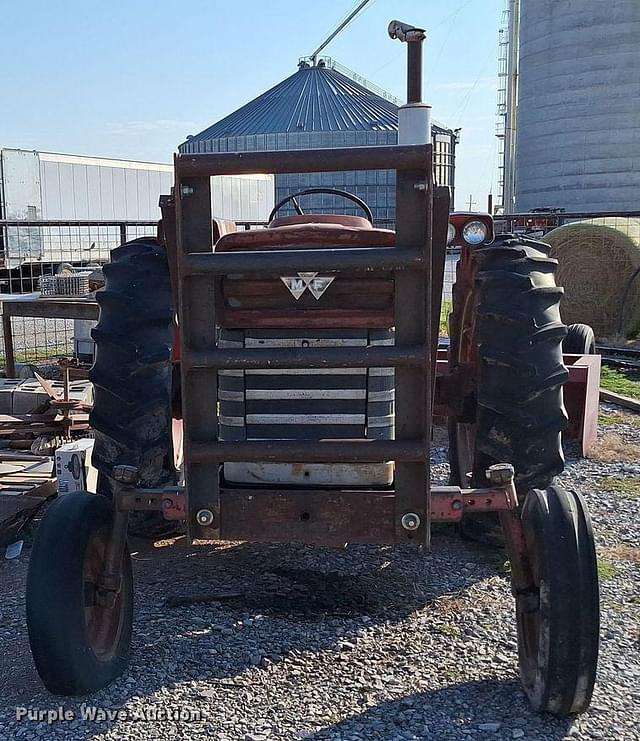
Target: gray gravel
363, 643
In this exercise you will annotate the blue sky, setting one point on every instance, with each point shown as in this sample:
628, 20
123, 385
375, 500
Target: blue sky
132, 79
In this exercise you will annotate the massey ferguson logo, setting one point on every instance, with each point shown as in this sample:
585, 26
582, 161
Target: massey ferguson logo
317, 284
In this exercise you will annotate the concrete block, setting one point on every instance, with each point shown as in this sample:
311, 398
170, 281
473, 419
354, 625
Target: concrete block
7, 388
29, 394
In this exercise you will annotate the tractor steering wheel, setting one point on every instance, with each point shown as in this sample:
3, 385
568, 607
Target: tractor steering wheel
330, 191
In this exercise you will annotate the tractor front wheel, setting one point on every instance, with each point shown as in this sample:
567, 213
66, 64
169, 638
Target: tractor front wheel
79, 644
558, 620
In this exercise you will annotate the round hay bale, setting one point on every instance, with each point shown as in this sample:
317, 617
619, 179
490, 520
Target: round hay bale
597, 259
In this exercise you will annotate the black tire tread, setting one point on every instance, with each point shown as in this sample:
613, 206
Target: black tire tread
55, 614
558, 533
580, 340
132, 371
520, 412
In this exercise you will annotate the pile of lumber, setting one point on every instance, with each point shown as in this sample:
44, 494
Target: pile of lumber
26, 482
19, 431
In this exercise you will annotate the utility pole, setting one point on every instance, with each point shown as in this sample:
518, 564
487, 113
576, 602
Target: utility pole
471, 202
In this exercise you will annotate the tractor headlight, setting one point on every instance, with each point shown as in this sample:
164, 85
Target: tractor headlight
474, 232
451, 234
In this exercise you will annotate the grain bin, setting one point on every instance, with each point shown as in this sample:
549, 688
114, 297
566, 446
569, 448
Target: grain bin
321, 106
578, 115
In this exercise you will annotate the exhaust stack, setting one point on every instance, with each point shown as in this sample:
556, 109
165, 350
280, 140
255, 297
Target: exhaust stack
414, 118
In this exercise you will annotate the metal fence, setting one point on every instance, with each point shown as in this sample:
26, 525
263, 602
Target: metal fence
539, 223
29, 249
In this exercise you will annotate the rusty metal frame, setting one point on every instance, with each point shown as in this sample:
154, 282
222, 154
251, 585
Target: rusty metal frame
322, 516
413, 356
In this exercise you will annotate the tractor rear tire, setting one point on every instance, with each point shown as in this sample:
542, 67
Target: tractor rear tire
132, 374
506, 331
559, 620
78, 645
580, 340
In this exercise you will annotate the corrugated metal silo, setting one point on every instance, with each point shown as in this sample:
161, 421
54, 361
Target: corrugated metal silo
319, 107
578, 116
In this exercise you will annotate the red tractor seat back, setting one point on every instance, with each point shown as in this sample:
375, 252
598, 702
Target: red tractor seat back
358, 222
221, 227
309, 231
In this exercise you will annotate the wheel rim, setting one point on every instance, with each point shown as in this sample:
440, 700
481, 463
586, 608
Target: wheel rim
103, 624
531, 623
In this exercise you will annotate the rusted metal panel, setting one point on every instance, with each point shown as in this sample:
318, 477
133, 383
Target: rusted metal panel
322, 517
413, 323
244, 302
582, 398
329, 517
265, 262
198, 333
310, 451
450, 503
307, 357
200, 358
310, 474
50, 308
310, 160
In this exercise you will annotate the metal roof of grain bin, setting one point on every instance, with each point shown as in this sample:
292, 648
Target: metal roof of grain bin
320, 106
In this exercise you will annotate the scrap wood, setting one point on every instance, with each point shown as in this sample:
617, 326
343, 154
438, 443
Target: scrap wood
4, 418
61, 400
36, 424
63, 404
15, 485
46, 385
7, 455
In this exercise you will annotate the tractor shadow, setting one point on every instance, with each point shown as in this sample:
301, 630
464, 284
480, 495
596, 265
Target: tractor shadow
212, 612
217, 613
501, 705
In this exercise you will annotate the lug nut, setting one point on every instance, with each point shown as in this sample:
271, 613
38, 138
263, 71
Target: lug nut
410, 521
204, 517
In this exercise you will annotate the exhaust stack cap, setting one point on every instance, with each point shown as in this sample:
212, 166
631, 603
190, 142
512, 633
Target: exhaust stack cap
406, 32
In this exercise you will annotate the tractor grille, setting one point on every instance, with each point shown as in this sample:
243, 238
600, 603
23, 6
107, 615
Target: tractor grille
305, 404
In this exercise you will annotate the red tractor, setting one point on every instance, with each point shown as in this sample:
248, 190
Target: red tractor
307, 391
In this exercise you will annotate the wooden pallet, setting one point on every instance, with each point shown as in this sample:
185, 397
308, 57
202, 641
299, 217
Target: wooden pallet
26, 488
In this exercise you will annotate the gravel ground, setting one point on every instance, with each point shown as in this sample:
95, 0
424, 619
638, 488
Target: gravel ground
361, 643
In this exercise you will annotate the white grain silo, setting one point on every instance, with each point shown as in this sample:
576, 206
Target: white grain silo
578, 105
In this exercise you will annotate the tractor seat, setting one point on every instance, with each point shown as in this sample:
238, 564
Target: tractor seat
358, 222
309, 231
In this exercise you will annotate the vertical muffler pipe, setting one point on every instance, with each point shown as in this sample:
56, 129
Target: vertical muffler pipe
414, 118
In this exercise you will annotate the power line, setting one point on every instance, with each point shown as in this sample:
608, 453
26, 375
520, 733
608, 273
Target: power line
453, 17
430, 30
342, 25
467, 98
